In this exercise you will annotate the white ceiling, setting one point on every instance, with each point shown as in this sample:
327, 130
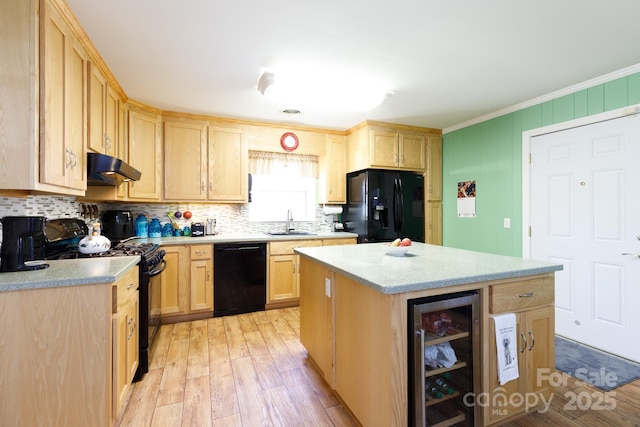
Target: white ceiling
446, 61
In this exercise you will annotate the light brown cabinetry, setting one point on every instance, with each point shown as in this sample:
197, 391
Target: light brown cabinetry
103, 115
185, 160
396, 150
316, 323
145, 154
173, 282
204, 162
201, 278
532, 302
284, 268
42, 93
72, 352
62, 106
433, 191
387, 146
433, 226
125, 338
284, 274
357, 337
187, 283
228, 164
333, 169
433, 177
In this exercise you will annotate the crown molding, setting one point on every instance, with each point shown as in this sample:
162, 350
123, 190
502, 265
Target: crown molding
548, 97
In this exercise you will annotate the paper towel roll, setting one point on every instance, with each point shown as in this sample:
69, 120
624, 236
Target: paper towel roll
332, 210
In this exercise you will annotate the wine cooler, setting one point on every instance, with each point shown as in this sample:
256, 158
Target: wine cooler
444, 355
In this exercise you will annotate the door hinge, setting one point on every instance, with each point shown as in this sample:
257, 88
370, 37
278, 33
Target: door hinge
529, 231
529, 158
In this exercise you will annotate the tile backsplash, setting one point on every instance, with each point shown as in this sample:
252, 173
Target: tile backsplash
230, 218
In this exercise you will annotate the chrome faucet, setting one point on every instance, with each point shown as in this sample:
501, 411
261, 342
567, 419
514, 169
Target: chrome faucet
289, 219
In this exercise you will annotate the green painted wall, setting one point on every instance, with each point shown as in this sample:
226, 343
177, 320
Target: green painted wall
491, 153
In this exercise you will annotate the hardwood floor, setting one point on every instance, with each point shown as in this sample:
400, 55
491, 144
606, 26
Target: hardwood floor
251, 370
244, 370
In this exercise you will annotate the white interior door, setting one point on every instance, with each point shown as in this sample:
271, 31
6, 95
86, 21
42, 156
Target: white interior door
585, 213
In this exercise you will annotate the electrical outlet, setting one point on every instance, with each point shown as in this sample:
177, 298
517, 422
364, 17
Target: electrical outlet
507, 223
327, 287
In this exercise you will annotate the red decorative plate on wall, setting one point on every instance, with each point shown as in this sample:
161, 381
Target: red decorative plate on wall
289, 141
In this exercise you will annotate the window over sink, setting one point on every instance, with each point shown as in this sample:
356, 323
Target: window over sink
281, 182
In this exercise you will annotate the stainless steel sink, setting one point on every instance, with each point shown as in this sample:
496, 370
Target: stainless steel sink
289, 233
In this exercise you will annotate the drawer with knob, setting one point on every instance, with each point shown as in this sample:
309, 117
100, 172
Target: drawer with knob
522, 295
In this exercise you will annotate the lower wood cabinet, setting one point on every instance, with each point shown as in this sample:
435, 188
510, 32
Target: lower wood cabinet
125, 338
532, 303
284, 268
187, 283
201, 278
69, 353
173, 290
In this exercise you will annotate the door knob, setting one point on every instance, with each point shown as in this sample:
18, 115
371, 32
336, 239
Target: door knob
627, 253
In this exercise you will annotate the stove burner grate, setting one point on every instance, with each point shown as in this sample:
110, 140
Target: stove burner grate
122, 249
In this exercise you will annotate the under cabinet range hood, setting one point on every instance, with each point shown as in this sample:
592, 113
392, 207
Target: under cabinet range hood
107, 170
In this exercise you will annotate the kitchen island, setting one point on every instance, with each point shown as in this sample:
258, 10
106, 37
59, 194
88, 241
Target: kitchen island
353, 321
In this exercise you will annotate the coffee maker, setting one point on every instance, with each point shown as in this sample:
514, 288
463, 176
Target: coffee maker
23, 241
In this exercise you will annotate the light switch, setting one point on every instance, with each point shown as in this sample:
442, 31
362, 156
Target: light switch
507, 223
327, 287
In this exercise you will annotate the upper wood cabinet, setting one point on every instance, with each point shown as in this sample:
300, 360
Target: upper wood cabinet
396, 150
433, 177
103, 114
387, 146
185, 160
204, 162
333, 169
145, 154
42, 98
228, 164
62, 107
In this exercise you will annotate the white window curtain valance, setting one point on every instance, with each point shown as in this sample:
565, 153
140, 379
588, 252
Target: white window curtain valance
283, 164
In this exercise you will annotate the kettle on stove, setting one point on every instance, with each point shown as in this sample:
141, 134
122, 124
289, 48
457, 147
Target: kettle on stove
94, 242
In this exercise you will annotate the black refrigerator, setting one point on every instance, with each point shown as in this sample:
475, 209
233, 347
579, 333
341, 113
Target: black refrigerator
383, 205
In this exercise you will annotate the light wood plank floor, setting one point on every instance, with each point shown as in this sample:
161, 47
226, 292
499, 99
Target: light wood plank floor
244, 370
251, 370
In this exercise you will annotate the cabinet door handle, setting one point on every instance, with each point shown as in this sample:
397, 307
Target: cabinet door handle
131, 286
524, 342
67, 165
533, 339
210, 186
530, 294
107, 143
208, 275
73, 159
202, 187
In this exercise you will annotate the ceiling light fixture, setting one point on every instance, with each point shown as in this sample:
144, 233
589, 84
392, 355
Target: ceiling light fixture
322, 89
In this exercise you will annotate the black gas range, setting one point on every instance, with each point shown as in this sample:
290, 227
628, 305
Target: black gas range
62, 237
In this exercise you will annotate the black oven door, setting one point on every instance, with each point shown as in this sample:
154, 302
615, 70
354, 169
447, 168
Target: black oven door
149, 320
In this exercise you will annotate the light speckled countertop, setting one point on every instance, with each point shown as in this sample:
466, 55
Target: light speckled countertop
244, 237
70, 272
423, 267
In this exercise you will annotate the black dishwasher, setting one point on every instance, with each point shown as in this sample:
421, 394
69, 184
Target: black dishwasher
239, 278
